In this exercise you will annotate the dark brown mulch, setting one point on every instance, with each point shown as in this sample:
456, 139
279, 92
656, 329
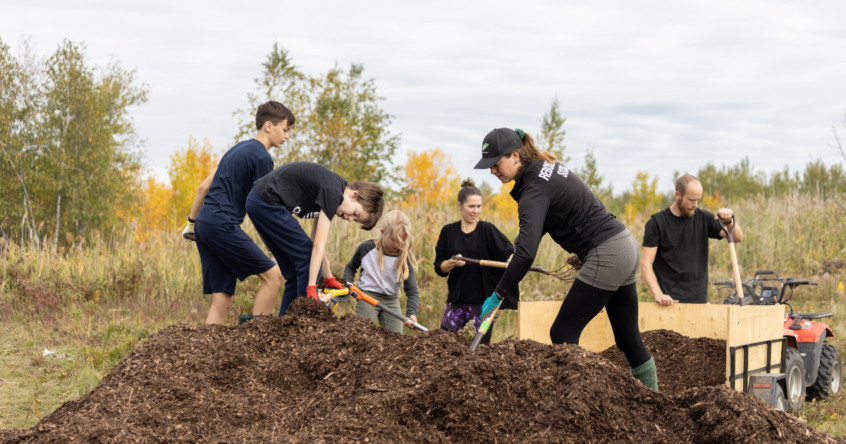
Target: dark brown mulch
682, 362
310, 377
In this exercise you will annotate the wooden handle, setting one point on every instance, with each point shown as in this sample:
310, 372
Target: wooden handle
493, 264
736, 270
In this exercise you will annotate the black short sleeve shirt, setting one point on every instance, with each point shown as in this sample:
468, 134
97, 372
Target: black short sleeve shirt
304, 188
681, 259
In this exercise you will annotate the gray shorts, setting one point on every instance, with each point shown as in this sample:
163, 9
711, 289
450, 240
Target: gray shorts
613, 263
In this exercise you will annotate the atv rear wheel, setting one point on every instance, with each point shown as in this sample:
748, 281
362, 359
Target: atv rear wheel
829, 375
794, 380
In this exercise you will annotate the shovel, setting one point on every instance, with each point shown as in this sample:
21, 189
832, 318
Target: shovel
362, 296
735, 269
483, 329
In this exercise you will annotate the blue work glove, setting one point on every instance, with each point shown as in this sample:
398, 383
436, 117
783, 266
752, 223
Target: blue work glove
490, 305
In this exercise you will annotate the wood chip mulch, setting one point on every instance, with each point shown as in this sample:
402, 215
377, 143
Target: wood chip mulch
311, 377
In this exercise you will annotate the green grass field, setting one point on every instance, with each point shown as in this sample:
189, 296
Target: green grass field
67, 318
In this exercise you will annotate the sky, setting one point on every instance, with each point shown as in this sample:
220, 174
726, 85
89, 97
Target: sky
660, 86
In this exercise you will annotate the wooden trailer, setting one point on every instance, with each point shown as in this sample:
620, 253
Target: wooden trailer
753, 334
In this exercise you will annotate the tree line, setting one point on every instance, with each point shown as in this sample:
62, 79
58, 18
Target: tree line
72, 164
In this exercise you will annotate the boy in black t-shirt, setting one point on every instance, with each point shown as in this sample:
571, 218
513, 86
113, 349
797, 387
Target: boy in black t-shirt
309, 191
227, 254
674, 262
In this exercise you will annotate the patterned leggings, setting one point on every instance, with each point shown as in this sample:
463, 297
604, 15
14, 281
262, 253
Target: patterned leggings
458, 314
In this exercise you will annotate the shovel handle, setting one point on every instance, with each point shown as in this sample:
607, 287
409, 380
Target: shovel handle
362, 296
495, 264
483, 329
734, 267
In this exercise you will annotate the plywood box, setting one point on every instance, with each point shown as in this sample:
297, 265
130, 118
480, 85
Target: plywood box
734, 324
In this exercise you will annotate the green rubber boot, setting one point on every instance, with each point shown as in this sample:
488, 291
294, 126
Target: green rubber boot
647, 374
246, 318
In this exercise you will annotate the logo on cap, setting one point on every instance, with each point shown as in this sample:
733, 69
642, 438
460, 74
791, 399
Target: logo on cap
483, 148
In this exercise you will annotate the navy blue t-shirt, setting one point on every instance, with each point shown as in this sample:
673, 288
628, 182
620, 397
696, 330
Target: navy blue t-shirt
243, 164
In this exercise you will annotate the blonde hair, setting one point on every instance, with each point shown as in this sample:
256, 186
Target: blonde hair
395, 223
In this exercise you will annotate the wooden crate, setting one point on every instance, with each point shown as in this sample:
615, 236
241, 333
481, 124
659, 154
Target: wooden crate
734, 324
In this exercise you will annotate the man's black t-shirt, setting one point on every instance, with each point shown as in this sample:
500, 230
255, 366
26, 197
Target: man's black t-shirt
304, 188
226, 200
470, 275
681, 261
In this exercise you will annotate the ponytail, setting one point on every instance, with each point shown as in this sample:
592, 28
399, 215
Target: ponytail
529, 152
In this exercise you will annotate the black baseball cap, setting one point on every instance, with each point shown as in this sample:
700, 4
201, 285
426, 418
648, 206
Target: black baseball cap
498, 143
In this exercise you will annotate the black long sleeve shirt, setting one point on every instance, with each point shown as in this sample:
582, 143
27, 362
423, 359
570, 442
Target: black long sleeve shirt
552, 199
492, 245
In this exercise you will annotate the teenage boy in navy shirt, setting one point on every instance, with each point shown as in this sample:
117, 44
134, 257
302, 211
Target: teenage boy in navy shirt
226, 252
309, 191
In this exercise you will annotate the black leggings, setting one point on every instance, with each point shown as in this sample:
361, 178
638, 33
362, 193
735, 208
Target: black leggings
584, 302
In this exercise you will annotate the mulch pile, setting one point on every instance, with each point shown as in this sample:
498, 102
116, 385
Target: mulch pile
682, 362
311, 377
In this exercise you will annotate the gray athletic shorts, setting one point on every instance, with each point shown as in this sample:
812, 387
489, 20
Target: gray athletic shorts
613, 263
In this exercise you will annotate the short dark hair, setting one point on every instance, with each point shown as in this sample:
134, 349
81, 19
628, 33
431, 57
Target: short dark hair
274, 112
683, 182
371, 197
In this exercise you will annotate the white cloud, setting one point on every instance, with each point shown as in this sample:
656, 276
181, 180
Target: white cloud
660, 86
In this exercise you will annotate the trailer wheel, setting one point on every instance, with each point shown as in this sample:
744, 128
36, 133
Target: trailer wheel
779, 402
794, 380
829, 375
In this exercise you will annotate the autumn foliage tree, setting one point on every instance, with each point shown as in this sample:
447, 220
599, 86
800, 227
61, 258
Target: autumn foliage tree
68, 143
430, 178
188, 168
339, 121
644, 198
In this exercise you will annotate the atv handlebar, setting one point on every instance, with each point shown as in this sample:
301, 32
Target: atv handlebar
798, 283
729, 283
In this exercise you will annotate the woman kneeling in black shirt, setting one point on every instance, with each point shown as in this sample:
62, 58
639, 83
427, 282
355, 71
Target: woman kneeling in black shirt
469, 283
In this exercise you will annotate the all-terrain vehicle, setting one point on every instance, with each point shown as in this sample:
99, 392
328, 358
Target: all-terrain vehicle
812, 367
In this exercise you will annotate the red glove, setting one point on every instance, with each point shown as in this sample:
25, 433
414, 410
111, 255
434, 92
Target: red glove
333, 283
311, 291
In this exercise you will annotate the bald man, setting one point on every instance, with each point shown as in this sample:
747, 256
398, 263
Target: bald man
674, 261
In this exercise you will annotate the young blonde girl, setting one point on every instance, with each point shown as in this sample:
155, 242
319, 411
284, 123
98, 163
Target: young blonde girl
386, 262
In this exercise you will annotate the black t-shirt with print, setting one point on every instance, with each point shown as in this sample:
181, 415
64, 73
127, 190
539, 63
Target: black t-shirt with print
681, 259
304, 188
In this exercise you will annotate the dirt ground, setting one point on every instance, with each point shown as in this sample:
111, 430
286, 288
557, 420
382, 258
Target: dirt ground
682, 362
312, 377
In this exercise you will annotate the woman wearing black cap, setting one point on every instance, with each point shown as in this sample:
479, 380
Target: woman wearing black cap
551, 199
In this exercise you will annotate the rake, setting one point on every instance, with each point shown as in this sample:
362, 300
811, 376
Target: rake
567, 273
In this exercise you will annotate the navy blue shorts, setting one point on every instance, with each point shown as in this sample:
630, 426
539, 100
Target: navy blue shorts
227, 254
289, 244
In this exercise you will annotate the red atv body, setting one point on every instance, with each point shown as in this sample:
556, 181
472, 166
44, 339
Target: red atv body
812, 367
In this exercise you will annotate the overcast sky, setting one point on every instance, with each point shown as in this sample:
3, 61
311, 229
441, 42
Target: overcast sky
650, 85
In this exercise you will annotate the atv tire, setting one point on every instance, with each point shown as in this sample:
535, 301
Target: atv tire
794, 381
829, 375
